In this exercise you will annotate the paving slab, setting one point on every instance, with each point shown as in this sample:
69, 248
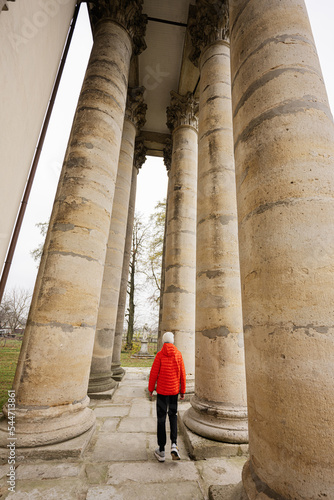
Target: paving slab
151, 472
110, 425
67, 489
48, 471
111, 411
220, 471
185, 490
143, 424
96, 473
119, 447
228, 492
141, 408
152, 445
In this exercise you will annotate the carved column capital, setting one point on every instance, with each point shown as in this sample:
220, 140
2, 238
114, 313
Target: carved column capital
140, 153
209, 24
183, 110
167, 152
127, 13
136, 107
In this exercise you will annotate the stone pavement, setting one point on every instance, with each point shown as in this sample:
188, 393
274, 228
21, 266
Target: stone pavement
118, 462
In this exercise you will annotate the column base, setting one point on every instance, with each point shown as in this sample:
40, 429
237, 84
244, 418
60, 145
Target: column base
117, 372
101, 382
36, 426
190, 388
254, 488
215, 421
73, 449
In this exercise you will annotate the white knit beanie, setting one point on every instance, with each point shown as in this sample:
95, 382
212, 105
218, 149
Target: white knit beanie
168, 337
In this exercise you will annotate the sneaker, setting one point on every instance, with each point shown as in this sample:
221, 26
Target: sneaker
159, 455
175, 452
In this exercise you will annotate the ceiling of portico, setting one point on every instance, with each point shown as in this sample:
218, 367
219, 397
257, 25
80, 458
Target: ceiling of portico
164, 65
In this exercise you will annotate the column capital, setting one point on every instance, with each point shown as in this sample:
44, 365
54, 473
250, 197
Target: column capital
135, 107
140, 153
209, 24
183, 110
167, 152
127, 13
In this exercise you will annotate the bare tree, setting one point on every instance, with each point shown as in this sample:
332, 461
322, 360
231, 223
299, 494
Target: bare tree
37, 252
14, 309
155, 249
139, 236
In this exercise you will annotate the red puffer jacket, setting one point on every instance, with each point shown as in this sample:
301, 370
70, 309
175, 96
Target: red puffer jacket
168, 370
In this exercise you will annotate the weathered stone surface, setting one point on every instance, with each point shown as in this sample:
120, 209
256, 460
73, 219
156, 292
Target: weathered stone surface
178, 313
96, 473
101, 374
141, 409
186, 490
219, 408
227, 492
149, 472
116, 356
110, 425
136, 424
53, 369
200, 448
74, 448
284, 150
119, 447
112, 411
48, 471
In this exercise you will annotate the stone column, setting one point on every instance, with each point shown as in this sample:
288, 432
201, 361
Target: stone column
139, 159
219, 406
101, 375
52, 374
167, 152
284, 152
178, 315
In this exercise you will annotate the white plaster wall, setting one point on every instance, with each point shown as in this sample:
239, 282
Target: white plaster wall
32, 38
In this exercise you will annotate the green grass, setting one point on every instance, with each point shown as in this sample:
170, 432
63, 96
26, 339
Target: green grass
10, 352
126, 359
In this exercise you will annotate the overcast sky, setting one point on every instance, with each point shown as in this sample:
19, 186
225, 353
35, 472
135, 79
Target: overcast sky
152, 179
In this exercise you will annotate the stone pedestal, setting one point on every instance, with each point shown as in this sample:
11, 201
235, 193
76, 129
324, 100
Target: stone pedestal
139, 159
178, 315
52, 374
284, 151
219, 406
101, 375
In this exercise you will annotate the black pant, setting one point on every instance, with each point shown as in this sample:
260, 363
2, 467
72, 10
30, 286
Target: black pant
165, 403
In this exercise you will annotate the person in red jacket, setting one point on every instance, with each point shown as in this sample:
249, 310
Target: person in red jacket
169, 376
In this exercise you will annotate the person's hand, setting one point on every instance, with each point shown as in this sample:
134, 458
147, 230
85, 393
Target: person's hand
181, 396
151, 394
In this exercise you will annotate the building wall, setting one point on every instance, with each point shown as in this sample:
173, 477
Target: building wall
32, 38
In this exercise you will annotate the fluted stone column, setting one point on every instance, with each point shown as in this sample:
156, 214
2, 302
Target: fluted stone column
219, 406
284, 151
100, 379
139, 159
52, 374
178, 313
